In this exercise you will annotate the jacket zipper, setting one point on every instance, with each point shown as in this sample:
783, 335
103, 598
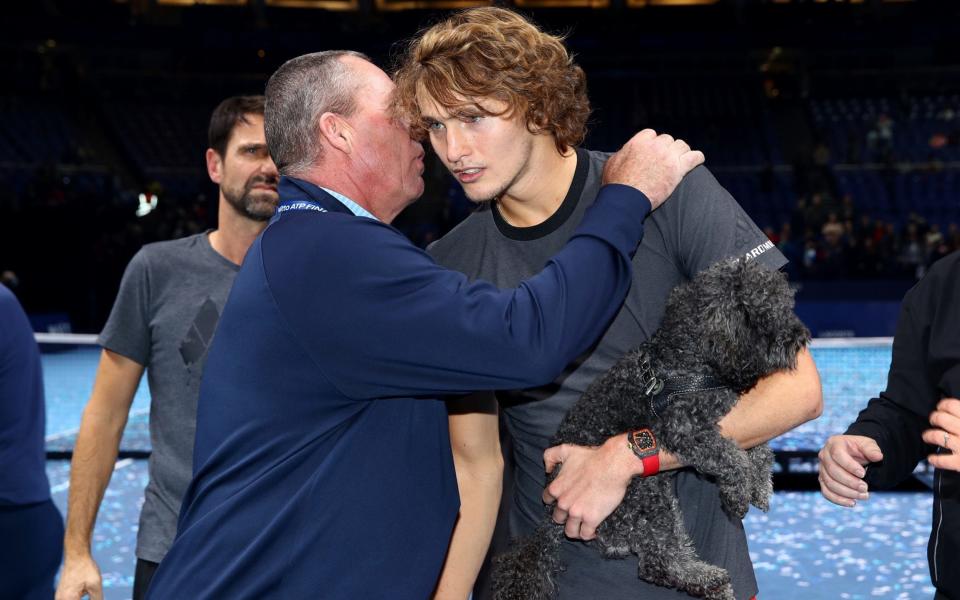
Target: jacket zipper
938, 474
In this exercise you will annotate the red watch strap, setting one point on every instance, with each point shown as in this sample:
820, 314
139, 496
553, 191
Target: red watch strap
651, 464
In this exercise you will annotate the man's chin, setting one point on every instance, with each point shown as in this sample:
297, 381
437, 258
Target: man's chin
264, 197
478, 196
260, 207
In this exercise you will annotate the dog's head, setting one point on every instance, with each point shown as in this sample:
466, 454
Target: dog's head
737, 317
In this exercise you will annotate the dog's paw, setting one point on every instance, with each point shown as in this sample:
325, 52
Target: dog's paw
734, 501
712, 583
615, 550
761, 495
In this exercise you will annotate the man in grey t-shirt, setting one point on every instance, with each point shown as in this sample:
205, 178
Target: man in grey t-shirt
163, 321
504, 108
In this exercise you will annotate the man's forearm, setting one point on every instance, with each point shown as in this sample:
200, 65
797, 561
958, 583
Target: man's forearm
475, 441
480, 489
776, 405
94, 456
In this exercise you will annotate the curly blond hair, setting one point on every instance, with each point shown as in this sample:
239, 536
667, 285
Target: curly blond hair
495, 53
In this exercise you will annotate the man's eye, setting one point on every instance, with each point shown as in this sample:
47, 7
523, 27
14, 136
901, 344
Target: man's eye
471, 118
434, 126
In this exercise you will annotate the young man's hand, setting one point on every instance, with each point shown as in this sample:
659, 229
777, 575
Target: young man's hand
592, 482
654, 164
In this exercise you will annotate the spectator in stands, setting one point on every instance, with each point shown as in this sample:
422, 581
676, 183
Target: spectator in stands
815, 214
864, 227
10, 279
791, 250
31, 528
163, 321
853, 156
933, 238
798, 218
912, 258
880, 139
869, 264
848, 210
772, 235
832, 255
953, 236
918, 414
889, 244
832, 228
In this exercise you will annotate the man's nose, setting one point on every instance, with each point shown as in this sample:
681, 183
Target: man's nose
457, 147
269, 169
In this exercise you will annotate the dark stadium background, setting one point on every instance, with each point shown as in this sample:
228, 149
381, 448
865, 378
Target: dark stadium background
836, 124
103, 101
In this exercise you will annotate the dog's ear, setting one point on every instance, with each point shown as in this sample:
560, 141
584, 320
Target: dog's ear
745, 321
780, 333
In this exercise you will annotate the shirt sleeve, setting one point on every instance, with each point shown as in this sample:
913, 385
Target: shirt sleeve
899, 416
382, 319
127, 331
708, 225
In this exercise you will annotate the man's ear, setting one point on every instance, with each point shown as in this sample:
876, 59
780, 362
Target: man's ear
336, 132
214, 166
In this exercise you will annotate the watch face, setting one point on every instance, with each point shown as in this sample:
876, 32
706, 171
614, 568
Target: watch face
643, 440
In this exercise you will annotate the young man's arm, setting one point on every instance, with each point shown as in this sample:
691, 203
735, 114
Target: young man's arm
475, 440
93, 459
594, 480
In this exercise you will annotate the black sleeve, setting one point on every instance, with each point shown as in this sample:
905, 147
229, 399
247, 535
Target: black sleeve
898, 418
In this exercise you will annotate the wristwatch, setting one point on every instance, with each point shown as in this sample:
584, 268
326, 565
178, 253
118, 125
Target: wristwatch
644, 445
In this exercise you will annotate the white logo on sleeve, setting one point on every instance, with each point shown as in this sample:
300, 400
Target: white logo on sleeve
751, 254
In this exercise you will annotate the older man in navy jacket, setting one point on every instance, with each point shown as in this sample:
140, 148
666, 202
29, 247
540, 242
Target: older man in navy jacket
322, 465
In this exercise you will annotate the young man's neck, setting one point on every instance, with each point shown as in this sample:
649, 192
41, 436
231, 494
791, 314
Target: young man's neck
234, 234
541, 189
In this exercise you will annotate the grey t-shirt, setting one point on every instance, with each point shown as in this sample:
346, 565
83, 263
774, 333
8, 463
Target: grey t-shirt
699, 225
164, 317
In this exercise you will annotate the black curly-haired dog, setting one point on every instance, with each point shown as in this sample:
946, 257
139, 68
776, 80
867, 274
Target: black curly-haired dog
730, 326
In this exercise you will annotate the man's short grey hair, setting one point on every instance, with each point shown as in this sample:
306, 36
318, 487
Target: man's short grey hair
301, 90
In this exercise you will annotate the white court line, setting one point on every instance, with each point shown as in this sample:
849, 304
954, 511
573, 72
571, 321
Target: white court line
65, 338
62, 434
120, 464
862, 342
844, 342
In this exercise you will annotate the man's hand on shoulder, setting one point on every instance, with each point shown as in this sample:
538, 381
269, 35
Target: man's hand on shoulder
654, 164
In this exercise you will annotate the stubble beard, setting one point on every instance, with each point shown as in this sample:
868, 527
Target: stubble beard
256, 205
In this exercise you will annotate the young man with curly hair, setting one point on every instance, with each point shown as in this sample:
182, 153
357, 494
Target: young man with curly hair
505, 107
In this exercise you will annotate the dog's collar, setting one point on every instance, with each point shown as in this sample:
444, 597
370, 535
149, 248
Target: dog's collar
661, 391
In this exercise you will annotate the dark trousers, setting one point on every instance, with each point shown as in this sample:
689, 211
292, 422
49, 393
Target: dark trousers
142, 578
30, 551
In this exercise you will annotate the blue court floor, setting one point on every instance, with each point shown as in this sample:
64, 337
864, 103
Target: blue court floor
804, 548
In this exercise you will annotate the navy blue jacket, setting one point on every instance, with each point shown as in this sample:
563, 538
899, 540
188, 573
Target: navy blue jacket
23, 475
322, 463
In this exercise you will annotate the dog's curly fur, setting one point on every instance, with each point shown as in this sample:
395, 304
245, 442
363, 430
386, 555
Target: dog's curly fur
734, 321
